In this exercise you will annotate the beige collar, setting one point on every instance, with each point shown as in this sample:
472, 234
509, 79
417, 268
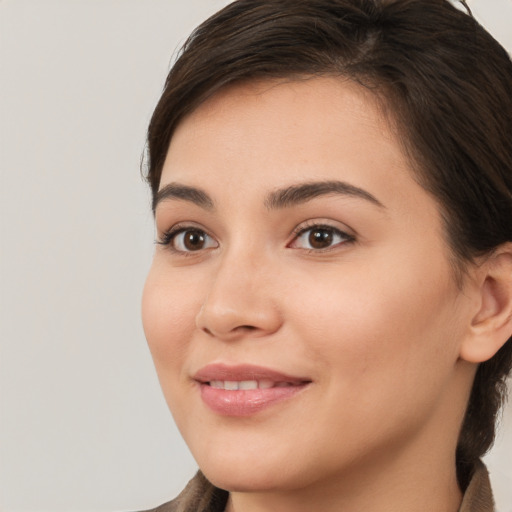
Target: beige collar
478, 495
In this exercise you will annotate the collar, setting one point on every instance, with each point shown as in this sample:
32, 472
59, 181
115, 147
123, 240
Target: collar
478, 495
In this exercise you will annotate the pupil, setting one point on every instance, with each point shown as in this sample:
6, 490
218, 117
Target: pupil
194, 240
320, 238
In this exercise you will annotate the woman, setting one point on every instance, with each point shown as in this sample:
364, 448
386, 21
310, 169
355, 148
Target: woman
329, 307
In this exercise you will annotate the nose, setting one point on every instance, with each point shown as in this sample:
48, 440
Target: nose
240, 300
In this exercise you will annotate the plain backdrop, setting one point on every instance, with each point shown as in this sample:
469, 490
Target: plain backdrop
83, 425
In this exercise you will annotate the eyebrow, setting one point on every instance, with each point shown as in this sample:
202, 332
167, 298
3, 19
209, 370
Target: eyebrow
277, 199
183, 193
297, 194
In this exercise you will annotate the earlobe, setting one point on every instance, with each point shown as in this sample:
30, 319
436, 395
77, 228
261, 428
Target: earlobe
491, 325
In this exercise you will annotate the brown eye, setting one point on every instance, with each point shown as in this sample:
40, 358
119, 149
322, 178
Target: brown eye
320, 238
191, 240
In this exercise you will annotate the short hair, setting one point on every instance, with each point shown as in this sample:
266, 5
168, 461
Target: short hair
447, 85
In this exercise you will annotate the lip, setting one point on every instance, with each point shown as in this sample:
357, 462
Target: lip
221, 371
248, 401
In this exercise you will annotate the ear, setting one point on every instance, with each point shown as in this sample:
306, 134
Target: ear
491, 325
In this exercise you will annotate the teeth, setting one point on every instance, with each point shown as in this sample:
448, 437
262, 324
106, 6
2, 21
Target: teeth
231, 385
248, 384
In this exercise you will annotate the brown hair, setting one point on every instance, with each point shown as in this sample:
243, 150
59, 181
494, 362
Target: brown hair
447, 84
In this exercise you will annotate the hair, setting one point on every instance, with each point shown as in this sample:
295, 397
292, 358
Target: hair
447, 85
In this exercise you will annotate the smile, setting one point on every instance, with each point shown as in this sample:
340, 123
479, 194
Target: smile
232, 385
245, 390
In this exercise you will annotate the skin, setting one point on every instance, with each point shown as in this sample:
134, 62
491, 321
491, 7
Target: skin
375, 320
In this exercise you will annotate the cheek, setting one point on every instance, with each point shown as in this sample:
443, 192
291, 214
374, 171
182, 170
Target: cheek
375, 322
168, 315
384, 350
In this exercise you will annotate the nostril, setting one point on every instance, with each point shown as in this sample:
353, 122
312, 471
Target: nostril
240, 330
218, 318
245, 328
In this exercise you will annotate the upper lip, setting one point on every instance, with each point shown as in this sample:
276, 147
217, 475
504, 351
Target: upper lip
244, 372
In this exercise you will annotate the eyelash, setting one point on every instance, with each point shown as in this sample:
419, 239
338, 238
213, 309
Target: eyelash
169, 236
303, 229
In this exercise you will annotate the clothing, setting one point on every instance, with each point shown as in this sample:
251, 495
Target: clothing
478, 495
477, 498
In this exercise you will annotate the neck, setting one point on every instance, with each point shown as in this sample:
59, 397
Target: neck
396, 487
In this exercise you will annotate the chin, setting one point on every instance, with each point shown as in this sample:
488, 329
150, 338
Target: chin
248, 473
240, 483
249, 480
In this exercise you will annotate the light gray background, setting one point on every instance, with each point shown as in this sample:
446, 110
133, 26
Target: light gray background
83, 425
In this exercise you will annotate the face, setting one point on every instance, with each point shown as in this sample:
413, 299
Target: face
300, 309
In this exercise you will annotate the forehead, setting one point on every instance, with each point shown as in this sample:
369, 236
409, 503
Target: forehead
303, 100
277, 128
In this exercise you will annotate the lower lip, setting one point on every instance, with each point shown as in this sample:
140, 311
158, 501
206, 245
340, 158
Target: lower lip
245, 402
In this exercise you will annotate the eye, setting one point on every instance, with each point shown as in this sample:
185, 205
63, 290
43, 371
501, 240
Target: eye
319, 238
188, 240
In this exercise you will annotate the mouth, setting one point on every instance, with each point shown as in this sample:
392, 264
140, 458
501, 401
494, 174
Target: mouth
233, 385
245, 390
